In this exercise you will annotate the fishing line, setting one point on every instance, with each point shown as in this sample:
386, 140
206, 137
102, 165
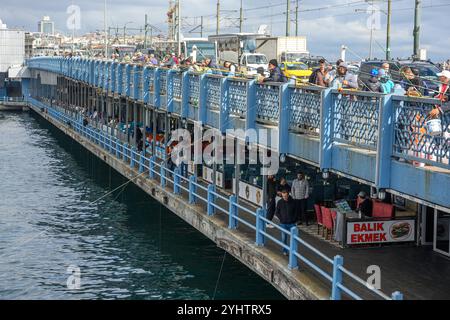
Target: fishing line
220, 274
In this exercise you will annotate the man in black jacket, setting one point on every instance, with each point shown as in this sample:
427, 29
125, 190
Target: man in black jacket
287, 214
276, 75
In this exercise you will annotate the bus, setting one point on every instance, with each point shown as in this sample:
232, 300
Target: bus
200, 48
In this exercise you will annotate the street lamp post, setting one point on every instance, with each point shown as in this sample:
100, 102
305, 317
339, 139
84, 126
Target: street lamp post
125, 32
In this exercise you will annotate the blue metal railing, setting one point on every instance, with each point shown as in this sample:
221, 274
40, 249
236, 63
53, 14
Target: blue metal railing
305, 106
12, 99
296, 247
356, 117
412, 139
268, 102
213, 89
238, 97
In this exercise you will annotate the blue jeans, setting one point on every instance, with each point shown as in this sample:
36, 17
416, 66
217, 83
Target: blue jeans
284, 237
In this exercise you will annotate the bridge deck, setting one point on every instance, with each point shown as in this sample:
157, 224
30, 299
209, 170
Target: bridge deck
416, 272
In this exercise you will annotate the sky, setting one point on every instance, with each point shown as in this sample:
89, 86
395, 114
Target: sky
327, 24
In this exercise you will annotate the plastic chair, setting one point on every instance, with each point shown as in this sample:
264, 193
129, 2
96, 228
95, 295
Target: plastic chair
318, 218
327, 221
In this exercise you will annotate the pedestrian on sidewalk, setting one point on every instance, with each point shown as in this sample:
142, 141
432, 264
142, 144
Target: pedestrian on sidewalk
286, 213
300, 193
283, 185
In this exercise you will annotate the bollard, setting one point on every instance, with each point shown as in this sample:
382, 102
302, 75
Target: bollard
259, 227
233, 210
192, 189
293, 247
211, 190
336, 292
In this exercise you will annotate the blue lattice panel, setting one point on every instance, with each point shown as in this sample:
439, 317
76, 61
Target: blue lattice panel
268, 102
213, 96
356, 118
151, 76
124, 79
118, 84
140, 84
163, 83
412, 138
238, 97
305, 106
131, 92
177, 85
194, 90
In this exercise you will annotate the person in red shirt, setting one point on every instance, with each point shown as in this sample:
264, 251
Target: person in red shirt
444, 94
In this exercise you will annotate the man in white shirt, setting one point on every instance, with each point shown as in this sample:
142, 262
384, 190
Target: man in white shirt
300, 193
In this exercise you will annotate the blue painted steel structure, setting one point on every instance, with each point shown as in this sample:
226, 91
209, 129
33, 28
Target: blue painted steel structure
356, 134
209, 196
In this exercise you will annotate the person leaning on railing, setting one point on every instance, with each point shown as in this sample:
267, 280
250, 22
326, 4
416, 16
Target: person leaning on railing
443, 96
344, 79
411, 82
319, 76
275, 73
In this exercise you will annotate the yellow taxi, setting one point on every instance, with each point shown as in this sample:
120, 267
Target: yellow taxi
299, 70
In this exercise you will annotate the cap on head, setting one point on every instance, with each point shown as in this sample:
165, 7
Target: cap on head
374, 72
444, 73
362, 194
343, 65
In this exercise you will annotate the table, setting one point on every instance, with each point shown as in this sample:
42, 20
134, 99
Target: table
341, 220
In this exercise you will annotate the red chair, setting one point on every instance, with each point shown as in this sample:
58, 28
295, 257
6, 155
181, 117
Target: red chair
327, 221
333, 216
382, 210
318, 218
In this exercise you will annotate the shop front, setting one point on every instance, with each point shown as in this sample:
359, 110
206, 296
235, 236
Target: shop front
435, 229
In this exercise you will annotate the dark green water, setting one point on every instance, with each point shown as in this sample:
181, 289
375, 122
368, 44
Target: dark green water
127, 246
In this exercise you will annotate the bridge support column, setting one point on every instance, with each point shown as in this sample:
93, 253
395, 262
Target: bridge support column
326, 131
385, 143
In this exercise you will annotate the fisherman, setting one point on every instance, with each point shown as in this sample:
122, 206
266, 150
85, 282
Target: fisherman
344, 79
319, 76
275, 73
443, 96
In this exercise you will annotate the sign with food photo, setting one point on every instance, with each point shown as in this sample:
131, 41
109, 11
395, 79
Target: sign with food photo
380, 231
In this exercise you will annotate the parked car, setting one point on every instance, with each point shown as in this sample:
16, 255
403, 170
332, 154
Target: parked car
426, 70
299, 70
